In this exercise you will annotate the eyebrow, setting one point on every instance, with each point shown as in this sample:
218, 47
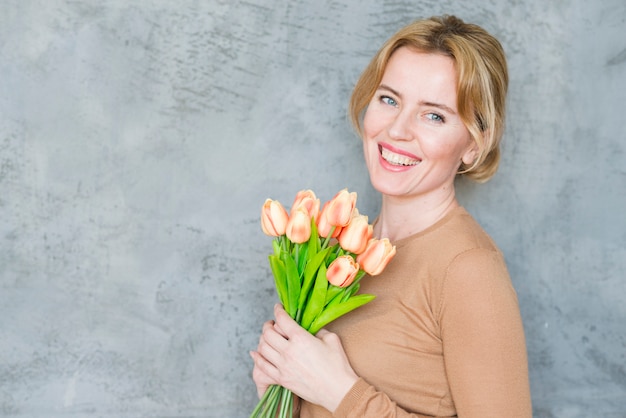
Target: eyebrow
424, 103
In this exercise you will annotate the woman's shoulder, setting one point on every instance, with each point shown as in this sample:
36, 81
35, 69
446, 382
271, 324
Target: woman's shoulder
464, 229
456, 233
470, 263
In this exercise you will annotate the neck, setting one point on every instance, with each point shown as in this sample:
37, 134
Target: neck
402, 217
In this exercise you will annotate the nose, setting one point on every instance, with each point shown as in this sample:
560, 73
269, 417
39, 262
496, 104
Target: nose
400, 127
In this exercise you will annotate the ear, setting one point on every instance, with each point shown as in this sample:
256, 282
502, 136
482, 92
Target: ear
470, 154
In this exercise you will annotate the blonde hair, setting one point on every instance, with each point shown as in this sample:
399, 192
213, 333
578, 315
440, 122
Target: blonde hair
482, 82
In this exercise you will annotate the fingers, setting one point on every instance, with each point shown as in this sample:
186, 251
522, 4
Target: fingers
262, 369
273, 324
268, 356
261, 379
285, 325
273, 335
278, 340
267, 325
272, 344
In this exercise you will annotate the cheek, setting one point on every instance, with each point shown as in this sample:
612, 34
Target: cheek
438, 149
449, 145
370, 149
372, 123
369, 134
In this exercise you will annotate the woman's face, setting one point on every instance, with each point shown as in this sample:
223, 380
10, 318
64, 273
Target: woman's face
414, 140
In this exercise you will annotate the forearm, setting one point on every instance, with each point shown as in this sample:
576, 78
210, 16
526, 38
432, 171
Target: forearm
364, 401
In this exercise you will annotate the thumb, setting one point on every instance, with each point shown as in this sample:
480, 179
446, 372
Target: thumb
322, 333
329, 338
285, 325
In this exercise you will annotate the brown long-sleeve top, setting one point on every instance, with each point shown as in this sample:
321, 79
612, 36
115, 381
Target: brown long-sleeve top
444, 336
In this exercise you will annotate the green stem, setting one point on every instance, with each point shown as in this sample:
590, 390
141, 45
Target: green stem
297, 255
283, 243
286, 405
330, 234
268, 403
298, 317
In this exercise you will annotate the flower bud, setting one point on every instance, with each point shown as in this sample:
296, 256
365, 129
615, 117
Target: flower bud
376, 256
342, 271
306, 199
298, 228
323, 226
356, 234
340, 208
274, 218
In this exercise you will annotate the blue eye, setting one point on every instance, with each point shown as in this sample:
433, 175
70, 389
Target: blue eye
388, 100
435, 117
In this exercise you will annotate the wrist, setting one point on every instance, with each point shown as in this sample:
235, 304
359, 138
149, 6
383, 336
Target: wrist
339, 389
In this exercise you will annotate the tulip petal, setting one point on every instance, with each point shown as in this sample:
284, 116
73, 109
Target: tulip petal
274, 218
298, 227
342, 271
340, 208
355, 236
376, 256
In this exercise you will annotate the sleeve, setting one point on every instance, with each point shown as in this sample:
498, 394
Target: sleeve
363, 400
483, 338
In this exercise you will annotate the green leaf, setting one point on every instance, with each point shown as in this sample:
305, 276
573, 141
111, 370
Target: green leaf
280, 278
309, 274
333, 312
314, 241
276, 246
334, 253
333, 292
333, 298
300, 255
315, 303
293, 285
350, 291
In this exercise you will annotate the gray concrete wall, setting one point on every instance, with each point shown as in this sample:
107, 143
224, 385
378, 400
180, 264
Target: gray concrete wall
139, 140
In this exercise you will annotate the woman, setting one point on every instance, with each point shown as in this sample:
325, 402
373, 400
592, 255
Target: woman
444, 336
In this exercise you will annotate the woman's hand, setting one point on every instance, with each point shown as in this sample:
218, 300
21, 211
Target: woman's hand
313, 367
260, 378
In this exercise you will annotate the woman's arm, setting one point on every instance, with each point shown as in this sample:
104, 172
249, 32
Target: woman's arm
483, 339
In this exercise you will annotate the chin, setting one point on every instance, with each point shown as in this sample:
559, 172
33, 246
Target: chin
385, 188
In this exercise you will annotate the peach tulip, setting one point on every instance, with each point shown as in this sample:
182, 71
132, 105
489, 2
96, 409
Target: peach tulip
342, 271
340, 208
323, 226
306, 199
298, 228
274, 218
376, 256
356, 234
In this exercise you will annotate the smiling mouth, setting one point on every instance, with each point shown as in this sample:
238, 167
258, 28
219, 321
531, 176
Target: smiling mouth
397, 159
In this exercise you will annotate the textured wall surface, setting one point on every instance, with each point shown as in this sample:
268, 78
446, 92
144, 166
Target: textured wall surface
139, 140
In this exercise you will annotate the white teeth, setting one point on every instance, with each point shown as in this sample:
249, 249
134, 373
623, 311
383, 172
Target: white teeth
397, 159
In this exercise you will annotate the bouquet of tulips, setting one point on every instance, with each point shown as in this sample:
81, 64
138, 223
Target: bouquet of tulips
318, 260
